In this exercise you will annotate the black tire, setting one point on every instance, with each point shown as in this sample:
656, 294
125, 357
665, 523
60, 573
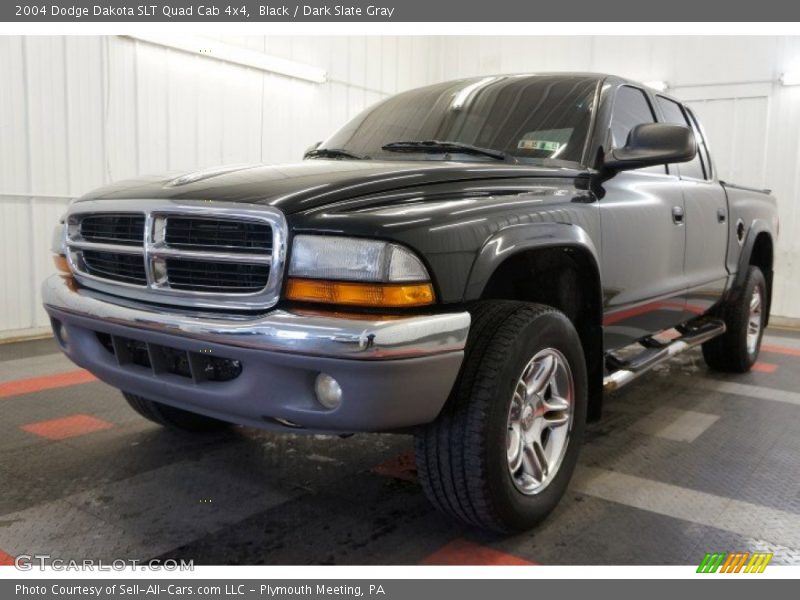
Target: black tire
174, 418
729, 352
461, 457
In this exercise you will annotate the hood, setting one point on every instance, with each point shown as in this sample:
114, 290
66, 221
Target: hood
312, 183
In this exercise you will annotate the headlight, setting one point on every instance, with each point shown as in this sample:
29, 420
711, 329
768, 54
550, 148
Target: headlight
353, 259
341, 270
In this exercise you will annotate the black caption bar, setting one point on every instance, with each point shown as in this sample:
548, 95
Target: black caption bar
392, 589
400, 11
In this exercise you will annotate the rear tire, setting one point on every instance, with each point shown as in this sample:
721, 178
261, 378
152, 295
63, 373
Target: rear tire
173, 418
467, 459
737, 349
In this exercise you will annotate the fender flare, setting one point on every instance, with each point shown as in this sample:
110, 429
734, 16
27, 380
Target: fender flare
514, 239
757, 227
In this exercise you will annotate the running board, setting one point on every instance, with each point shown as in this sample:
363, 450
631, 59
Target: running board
655, 353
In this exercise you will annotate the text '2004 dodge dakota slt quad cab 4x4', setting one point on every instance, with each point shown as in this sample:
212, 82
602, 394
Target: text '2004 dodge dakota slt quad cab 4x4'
473, 261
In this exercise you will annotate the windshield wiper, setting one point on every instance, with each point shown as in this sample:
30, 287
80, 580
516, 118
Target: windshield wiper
441, 146
333, 153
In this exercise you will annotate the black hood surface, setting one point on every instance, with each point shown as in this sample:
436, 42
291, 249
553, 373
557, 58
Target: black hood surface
314, 183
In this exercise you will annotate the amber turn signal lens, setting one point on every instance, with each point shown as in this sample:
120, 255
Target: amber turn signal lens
390, 295
61, 263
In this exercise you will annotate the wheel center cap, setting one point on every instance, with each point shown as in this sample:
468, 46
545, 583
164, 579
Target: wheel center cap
528, 414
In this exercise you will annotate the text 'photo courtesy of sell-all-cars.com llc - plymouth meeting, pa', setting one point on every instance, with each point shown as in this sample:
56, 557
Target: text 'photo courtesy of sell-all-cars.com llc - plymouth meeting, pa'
474, 262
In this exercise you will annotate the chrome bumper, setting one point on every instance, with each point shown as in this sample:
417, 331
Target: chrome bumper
277, 331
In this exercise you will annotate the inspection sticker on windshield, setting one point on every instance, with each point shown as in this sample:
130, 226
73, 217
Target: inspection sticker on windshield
539, 145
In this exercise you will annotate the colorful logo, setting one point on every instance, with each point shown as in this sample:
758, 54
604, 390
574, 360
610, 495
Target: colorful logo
734, 562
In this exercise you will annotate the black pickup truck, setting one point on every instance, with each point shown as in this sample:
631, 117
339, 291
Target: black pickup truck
475, 262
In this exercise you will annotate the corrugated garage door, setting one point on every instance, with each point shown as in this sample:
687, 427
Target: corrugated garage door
735, 120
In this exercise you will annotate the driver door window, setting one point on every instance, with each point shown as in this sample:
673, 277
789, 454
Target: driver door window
631, 108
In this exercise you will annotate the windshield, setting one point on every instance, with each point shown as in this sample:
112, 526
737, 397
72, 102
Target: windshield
536, 118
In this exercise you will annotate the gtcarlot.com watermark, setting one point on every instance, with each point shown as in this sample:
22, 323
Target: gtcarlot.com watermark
30, 562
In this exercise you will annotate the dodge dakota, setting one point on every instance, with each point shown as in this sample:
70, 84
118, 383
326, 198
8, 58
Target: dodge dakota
474, 262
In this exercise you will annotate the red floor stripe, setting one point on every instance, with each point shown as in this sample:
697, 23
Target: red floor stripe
6, 560
67, 427
773, 349
763, 367
400, 467
47, 382
462, 552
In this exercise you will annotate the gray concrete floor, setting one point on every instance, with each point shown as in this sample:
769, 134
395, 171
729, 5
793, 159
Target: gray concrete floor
684, 462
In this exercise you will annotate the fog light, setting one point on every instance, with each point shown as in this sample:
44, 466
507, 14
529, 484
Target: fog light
62, 337
329, 392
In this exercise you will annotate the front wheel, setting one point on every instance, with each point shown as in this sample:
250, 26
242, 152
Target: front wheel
501, 453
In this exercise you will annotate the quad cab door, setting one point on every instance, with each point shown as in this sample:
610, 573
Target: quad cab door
643, 222
706, 216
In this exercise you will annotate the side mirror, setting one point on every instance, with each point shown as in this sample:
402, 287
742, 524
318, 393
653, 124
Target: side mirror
653, 144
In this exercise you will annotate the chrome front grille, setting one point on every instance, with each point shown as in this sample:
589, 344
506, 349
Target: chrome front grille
201, 254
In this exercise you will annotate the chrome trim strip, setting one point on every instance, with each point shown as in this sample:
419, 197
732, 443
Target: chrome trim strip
158, 290
102, 247
149, 223
232, 257
276, 331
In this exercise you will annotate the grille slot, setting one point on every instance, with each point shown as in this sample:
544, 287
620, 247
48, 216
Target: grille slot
194, 233
126, 268
125, 229
197, 366
216, 276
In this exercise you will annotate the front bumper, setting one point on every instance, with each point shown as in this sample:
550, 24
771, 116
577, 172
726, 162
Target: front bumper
394, 372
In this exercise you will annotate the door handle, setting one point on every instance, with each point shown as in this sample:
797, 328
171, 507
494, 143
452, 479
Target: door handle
677, 215
722, 215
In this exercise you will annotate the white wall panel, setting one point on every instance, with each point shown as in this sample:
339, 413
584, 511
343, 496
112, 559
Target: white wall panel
182, 112
14, 163
739, 126
47, 115
16, 291
151, 103
121, 113
85, 126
